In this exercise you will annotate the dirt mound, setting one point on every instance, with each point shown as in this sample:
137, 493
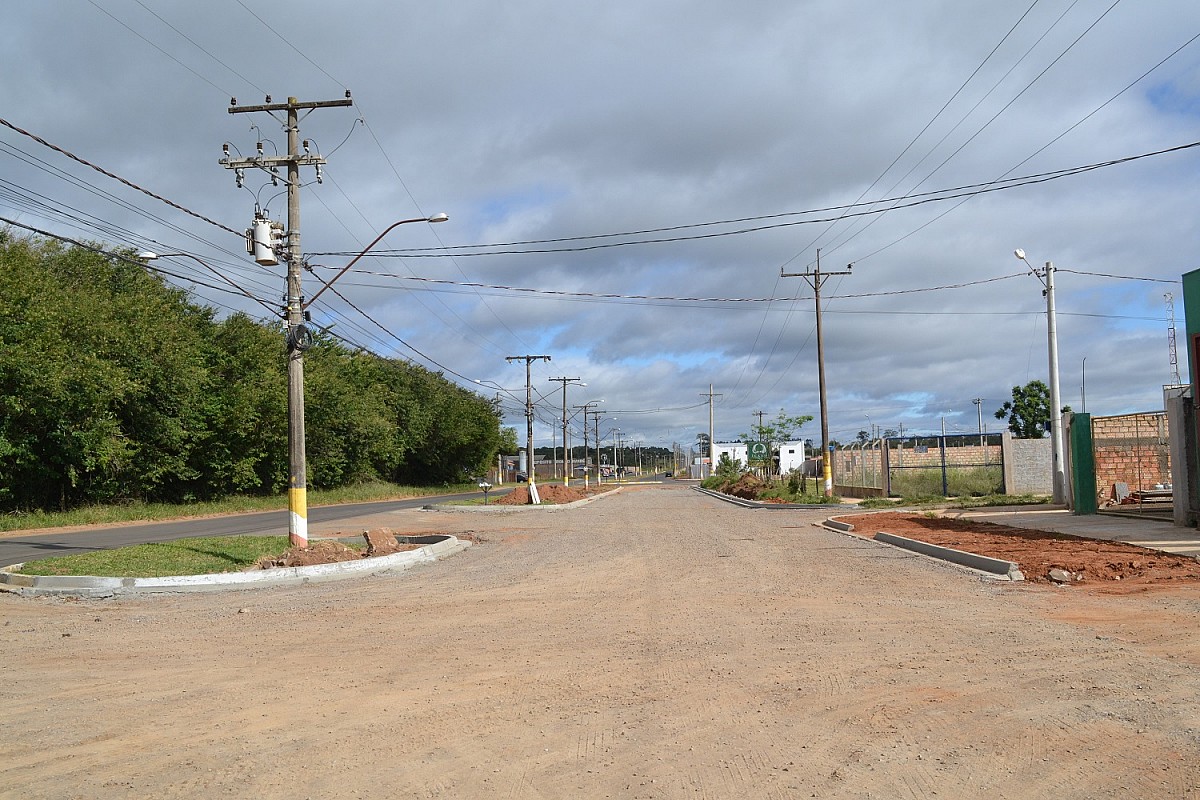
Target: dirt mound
322, 552
330, 551
1111, 566
748, 487
550, 493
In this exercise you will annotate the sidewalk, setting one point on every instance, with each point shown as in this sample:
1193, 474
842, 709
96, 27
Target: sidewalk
1154, 534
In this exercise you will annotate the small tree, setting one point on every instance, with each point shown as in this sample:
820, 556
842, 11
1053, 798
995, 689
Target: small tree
1028, 412
782, 429
729, 469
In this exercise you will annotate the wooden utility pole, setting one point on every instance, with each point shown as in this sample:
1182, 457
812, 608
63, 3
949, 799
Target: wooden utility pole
298, 336
816, 279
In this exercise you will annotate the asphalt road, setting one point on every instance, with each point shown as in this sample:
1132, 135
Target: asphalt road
17, 549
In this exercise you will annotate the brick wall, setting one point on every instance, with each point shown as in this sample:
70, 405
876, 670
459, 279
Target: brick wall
1131, 449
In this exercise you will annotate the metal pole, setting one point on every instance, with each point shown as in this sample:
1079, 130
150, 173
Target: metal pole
978, 401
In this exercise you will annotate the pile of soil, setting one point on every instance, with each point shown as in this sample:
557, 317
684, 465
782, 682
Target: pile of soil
1113, 566
748, 487
550, 493
325, 551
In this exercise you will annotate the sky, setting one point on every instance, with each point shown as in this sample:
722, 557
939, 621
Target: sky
627, 182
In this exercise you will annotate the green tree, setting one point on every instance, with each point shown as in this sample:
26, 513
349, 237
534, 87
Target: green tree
781, 429
1028, 412
102, 369
728, 468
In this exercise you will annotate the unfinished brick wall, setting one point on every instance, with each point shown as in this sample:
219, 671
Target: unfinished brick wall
1131, 449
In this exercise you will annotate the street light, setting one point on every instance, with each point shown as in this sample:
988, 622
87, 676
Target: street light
353, 261
1046, 276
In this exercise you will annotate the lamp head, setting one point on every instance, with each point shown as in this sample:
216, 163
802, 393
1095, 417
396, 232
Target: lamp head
146, 255
438, 218
1019, 253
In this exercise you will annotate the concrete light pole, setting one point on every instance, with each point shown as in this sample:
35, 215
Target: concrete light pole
529, 470
566, 454
1046, 276
586, 408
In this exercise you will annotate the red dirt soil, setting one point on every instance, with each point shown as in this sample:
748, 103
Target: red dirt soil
550, 493
1110, 567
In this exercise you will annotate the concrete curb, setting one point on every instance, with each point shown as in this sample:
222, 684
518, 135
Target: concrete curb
1007, 570
991, 567
499, 509
738, 501
434, 548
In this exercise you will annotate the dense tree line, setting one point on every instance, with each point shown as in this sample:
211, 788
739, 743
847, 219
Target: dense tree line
114, 386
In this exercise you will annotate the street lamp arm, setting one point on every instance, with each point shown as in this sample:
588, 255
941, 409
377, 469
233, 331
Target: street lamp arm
353, 261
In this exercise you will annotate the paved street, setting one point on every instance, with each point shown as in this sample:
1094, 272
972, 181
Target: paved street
17, 547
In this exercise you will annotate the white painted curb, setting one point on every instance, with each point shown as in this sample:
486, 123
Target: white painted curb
12, 580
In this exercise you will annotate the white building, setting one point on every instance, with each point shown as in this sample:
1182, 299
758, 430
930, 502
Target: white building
789, 455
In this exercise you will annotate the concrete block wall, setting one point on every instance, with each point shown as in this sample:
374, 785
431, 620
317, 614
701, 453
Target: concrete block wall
1028, 466
1131, 449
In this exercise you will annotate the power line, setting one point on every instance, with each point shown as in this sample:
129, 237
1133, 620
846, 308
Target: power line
915, 200
116, 177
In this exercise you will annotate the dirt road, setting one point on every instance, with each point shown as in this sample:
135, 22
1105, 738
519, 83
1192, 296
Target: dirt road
656, 643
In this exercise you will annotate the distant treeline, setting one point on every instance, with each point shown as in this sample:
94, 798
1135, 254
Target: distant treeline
114, 387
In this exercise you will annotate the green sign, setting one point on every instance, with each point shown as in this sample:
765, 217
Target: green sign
757, 451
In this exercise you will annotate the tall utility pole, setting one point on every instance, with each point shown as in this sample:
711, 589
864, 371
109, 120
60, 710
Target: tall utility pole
298, 337
816, 279
586, 407
566, 455
528, 412
596, 422
711, 432
1058, 474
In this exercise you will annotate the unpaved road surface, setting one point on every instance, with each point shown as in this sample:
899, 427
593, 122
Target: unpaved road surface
655, 643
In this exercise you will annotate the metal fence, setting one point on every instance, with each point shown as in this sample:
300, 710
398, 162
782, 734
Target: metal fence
913, 466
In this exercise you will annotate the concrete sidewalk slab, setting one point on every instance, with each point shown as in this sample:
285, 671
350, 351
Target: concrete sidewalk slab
1148, 533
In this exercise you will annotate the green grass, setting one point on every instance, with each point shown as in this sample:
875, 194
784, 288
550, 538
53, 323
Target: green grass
198, 556
136, 511
977, 481
954, 502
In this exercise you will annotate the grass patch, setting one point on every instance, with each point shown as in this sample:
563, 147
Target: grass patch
955, 502
136, 511
198, 556
969, 482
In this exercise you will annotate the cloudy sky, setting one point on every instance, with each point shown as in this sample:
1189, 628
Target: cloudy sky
627, 181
